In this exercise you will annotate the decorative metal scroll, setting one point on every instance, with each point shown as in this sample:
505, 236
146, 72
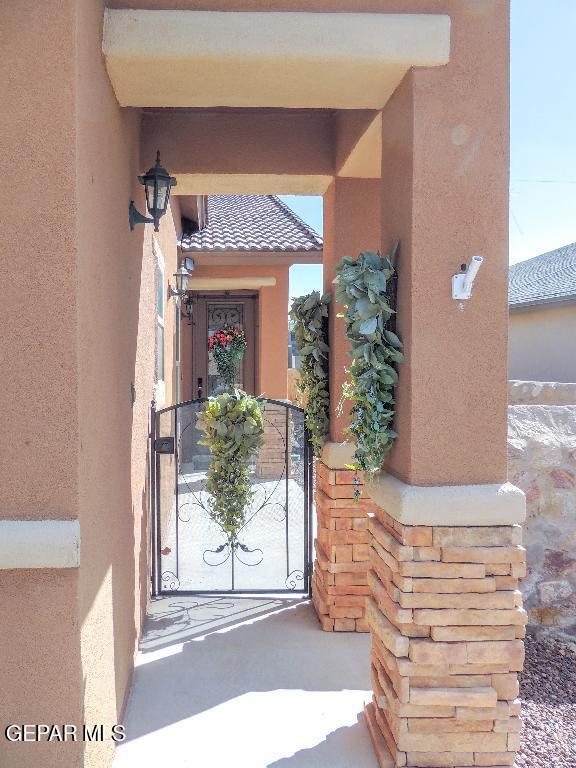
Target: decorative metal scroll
271, 552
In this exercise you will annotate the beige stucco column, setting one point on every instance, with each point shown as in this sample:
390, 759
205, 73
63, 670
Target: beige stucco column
351, 225
444, 611
340, 586
445, 197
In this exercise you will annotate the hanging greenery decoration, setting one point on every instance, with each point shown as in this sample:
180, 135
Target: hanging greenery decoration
310, 316
233, 429
228, 346
366, 287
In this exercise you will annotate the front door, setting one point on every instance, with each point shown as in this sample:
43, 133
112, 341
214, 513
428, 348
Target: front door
212, 311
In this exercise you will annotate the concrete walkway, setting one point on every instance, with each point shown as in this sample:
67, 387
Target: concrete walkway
248, 683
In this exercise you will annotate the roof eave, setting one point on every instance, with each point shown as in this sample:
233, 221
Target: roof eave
196, 249
534, 303
233, 257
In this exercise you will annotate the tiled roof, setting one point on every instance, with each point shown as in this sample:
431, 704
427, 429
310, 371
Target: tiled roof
546, 278
252, 223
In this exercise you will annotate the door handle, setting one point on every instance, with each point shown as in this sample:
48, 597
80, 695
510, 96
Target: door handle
199, 387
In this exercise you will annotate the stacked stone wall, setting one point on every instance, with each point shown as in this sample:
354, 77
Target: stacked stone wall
542, 462
340, 581
447, 624
541, 393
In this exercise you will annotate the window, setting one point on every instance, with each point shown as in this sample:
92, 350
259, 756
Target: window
159, 393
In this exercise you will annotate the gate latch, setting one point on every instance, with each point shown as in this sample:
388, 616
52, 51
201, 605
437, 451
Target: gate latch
164, 445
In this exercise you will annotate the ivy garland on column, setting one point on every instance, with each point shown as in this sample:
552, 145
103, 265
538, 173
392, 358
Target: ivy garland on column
365, 286
310, 316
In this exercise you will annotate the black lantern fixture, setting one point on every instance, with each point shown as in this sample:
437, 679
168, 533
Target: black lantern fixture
187, 308
181, 278
157, 184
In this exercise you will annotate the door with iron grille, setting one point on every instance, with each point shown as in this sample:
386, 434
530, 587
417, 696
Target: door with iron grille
212, 311
271, 552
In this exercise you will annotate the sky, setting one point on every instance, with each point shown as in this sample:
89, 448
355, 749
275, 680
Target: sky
306, 277
542, 138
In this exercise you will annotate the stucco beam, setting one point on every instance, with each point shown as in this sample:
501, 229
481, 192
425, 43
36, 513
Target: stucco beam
230, 283
184, 58
251, 184
261, 151
242, 151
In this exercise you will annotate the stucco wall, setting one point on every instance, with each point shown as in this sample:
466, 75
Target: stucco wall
40, 671
165, 243
115, 349
542, 461
73, 443
542, 343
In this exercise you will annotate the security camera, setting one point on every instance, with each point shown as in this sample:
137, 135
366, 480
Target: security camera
462, 282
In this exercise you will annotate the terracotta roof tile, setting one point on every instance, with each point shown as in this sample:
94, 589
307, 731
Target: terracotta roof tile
252, 223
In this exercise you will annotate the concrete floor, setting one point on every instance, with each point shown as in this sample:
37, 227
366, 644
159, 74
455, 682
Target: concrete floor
249, 683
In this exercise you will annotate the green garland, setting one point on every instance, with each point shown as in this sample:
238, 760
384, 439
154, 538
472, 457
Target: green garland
228, 345
310, 316
365, 287
233, 429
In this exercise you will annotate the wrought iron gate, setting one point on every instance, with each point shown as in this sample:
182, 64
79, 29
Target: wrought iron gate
272, 552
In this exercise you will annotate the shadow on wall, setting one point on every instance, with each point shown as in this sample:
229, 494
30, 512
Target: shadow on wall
542, 462
248, 682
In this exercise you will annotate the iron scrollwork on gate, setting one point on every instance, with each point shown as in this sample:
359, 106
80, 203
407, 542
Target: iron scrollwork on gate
271, 552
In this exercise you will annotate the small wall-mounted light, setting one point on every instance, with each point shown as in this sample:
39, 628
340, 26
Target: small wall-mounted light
181, 278
187, 308
462, 282
189, 263
157, 183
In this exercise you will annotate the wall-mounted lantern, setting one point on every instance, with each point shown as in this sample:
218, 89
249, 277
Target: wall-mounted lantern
185, 298
157, 183
181, 278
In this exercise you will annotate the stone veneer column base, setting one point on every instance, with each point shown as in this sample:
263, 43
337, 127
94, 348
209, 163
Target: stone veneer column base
339, 582
447, 623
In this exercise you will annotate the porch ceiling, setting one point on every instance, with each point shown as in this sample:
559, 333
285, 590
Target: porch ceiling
250, 59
